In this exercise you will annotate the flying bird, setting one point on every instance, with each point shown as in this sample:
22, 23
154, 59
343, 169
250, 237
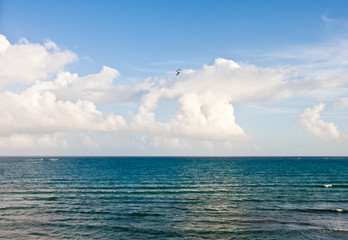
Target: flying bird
178, 72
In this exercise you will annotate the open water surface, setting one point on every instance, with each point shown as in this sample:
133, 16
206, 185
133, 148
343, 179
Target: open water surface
174, 198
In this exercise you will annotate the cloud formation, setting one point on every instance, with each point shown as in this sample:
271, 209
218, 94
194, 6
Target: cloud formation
27, 62
39, 109
55, 101
310, 120
34, 111
206, 98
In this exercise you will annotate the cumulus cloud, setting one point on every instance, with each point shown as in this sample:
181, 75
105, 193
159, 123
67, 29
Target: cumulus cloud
310, 120
206, 98
237, 82
205, 111
206, 116
34, 111
44, 108
26, 62
66, 102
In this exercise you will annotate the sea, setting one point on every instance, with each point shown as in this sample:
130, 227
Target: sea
174, 198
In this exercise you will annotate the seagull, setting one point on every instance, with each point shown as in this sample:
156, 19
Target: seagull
178, 72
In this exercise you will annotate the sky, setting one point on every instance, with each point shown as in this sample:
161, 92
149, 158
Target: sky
258, 78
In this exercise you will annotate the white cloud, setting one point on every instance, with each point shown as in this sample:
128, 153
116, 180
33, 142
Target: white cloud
94, 87
206, 115
4, 44
27, 62
234, 81
206, 98
39, 111
51, 45
57, 101
310, 120
42, 107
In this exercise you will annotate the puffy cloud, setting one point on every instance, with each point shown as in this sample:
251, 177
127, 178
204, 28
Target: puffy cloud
206, 98
98, 87
67, 102
4, 44
205, 101
310, 120
206, 116
27, 62
234, 81
35, 111
47, 107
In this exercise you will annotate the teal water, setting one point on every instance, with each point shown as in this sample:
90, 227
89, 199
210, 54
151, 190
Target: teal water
174, 198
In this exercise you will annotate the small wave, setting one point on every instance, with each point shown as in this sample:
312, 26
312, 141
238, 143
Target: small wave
338, 230
334, 185
338, 210
35, 159
53, 159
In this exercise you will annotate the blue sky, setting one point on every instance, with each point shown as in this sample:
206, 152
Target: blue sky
258, 77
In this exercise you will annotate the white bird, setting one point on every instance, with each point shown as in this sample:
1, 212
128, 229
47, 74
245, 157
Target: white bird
178, 72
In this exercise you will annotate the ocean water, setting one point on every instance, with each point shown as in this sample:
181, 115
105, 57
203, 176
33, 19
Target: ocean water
174, 198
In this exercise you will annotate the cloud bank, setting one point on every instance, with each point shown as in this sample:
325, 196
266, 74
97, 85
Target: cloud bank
53, 101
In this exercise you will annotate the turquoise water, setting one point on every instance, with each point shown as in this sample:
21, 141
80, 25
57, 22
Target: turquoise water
173, 198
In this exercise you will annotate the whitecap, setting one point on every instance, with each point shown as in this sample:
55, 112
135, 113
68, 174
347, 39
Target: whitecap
339, 230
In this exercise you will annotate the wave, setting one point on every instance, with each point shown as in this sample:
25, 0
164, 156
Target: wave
333, 186
338, 230
35, 159
323, 210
